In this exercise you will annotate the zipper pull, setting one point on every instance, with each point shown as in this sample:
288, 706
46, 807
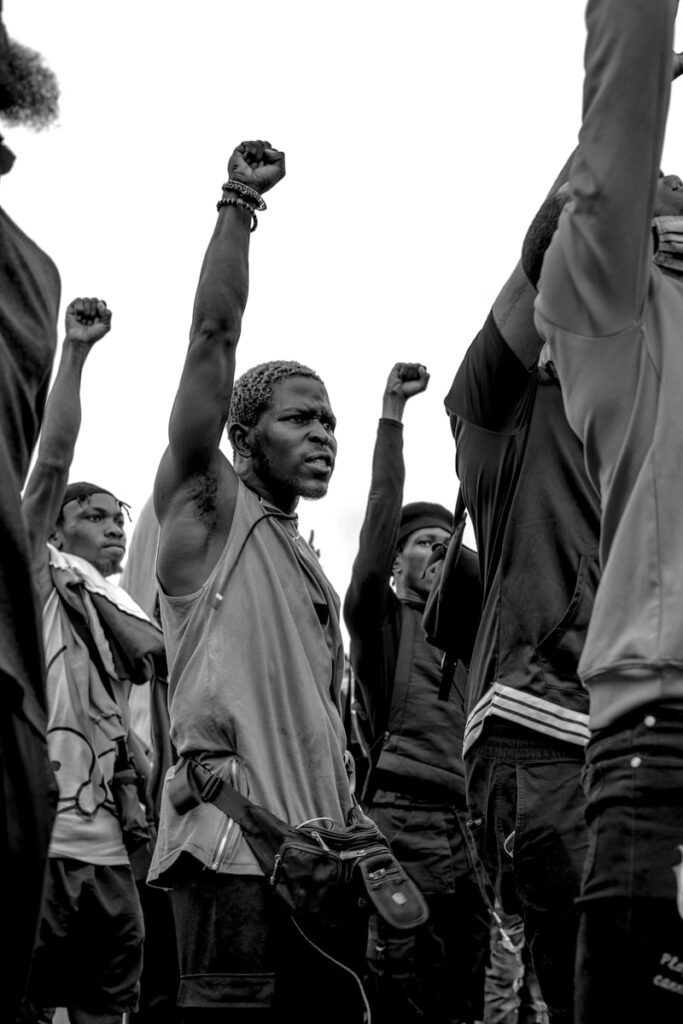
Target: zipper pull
276, 868
319, 839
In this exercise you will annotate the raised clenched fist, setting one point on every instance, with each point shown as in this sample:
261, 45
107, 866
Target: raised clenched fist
257, 165
87, 320
407, 379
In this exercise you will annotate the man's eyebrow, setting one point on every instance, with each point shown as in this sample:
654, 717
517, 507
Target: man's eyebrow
305, 406
89, 507
308, 409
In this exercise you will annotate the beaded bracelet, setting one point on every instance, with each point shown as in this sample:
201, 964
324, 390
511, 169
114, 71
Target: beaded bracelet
240, 202
244, 190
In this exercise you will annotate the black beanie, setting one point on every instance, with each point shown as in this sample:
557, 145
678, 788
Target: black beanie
83, 490
421, 515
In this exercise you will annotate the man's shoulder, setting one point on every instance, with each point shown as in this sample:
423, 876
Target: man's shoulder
488, 379
15, 241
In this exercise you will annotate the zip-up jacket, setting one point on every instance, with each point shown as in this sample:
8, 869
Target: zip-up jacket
536, 520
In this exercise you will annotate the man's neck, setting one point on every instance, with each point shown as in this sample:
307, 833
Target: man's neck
282, 498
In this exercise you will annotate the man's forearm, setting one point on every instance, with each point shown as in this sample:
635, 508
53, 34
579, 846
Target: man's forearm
596, 272
393, 407
223, 287
62, 419
61, 423
371, 573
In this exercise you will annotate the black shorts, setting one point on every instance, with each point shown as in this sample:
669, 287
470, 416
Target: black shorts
88, 954
239, 950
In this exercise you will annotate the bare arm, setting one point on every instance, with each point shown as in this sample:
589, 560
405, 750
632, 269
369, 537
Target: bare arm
195, 488
87, 321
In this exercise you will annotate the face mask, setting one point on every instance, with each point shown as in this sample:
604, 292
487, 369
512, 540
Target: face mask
669, 235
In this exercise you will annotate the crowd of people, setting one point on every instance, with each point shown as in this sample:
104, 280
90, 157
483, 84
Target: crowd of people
526, 775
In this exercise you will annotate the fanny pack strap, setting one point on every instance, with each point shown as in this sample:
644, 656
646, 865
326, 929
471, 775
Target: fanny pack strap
390, 889
210, 788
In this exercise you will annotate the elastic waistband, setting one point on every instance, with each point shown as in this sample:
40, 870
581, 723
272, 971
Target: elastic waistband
501, 737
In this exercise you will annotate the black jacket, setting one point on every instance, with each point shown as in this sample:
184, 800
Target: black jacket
418, 737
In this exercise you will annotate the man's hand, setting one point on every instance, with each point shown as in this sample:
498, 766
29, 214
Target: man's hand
404, 381
257, 165
407, 379
87, 320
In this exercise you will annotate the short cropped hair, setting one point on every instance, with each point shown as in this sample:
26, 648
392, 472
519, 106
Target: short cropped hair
252, 393
540, 234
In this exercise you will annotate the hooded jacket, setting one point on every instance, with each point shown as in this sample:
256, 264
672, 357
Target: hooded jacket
614, 322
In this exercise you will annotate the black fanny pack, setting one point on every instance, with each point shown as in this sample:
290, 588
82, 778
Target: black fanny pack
317, 869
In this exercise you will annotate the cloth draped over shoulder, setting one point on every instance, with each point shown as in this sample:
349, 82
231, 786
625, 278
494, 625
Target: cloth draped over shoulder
130, 645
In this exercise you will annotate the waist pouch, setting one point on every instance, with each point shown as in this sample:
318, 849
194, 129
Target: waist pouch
316, 868
130, 799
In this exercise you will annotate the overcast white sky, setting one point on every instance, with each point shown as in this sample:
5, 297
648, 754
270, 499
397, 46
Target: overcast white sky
420, 139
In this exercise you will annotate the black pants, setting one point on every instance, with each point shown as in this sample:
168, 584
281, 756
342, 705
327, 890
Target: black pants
527, 809
160, 977
435, 974
630, 949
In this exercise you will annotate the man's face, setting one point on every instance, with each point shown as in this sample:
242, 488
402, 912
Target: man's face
29, 91
669, 202
410, 562
293, 447
93, 529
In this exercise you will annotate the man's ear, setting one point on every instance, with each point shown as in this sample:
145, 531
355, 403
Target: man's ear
397, 566
240, 438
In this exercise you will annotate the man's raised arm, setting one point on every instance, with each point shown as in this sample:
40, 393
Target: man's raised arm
513, 309
87, 321
369, 588
492, 380
195, 488
597, 270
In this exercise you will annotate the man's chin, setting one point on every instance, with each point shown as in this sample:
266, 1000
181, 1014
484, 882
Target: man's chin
314, 490
110, 567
